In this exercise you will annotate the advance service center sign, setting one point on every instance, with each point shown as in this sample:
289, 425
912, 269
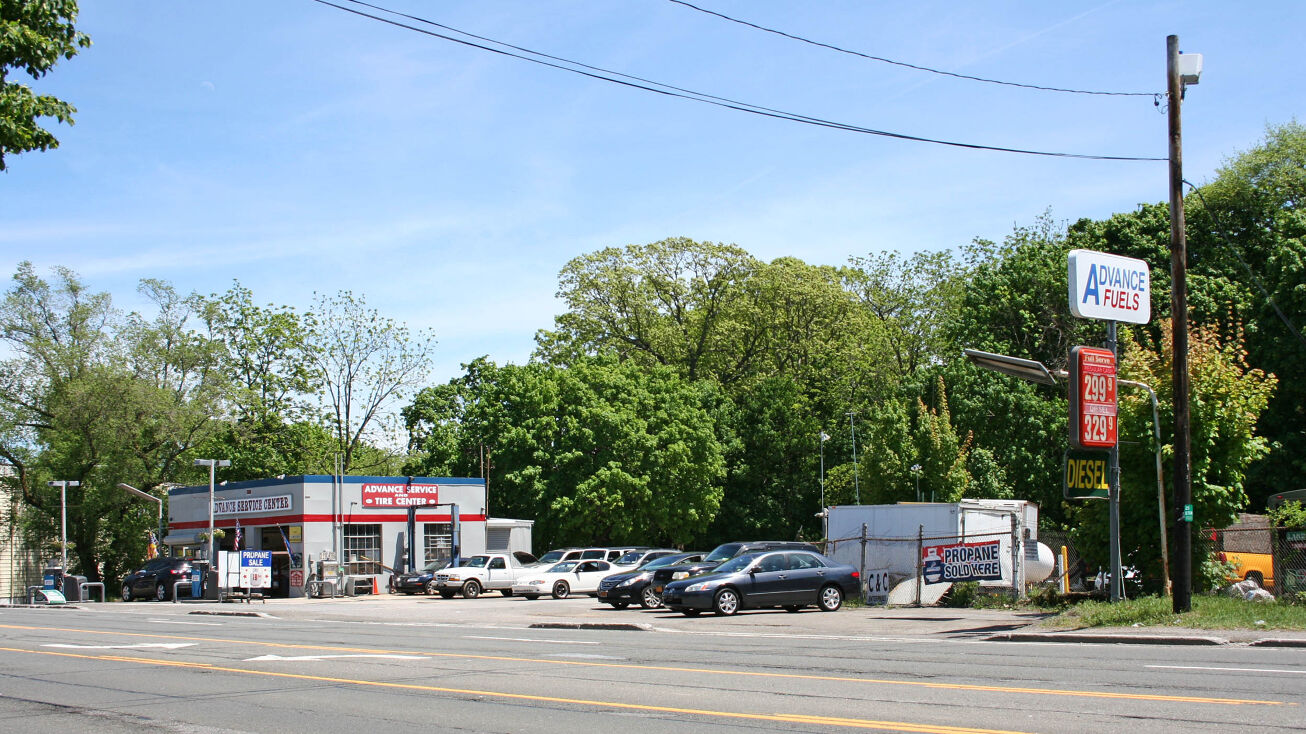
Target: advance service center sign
1109, 287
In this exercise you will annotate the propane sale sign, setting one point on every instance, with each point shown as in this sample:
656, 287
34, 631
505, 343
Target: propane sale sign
962, 562
1109, 287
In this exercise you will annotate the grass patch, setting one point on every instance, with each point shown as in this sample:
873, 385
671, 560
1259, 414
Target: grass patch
1209, 612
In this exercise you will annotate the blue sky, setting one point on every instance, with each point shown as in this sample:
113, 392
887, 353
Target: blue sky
300, 149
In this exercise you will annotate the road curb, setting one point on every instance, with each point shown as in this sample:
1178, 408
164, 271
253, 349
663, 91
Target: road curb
620, 626
1105, 639
1278, 642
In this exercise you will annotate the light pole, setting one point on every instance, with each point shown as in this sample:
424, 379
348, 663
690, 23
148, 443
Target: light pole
63, 485
857, 489
212, 464
916, 470
148, 496
825, 527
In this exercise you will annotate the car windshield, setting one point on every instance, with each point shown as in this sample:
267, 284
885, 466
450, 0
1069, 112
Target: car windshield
664, 561
552, 556
436, 565
563, 567
723, 552
736, 565
475, 562
629, 558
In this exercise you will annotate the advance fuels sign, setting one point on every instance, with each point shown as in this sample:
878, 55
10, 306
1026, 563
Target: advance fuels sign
1110, 287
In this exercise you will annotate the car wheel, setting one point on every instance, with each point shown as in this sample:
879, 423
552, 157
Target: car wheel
430, 587
726, 602
507, 591
126, 592
561, 590
446, 594
160, 592
531, 597
471, 589
792, 608
831, 599
619, 604
650, 599
691, 612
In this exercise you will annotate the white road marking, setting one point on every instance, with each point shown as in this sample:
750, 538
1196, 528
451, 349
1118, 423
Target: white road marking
528, 639
583, 656
168, 645
1230, 670
324, 657
197, 624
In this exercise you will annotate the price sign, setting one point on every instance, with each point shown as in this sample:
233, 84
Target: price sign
1092, 398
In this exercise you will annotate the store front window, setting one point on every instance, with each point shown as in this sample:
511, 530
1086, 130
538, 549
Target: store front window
363, 549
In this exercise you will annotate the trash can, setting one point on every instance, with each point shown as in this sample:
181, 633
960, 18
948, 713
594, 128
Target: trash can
72, 587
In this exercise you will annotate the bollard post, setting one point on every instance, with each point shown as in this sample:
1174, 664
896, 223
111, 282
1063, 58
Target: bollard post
862, 569
920, 564
1065, 571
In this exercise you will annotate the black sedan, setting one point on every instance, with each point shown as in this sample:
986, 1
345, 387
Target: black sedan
420, 581
623, 589
155, 579
788, 579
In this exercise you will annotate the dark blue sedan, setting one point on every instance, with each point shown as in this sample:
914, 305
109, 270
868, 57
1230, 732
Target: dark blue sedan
787, 579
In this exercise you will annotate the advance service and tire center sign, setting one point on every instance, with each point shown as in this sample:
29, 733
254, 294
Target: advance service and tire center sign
962, 562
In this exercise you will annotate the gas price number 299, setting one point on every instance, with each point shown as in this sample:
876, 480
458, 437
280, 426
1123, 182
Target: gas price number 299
1093, 400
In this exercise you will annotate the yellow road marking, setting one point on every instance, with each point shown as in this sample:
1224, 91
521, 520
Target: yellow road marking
679, 669
787, 718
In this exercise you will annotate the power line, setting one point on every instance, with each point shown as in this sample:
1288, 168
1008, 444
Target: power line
668, 90
907, 65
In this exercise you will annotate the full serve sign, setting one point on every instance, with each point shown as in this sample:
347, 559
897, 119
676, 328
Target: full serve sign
1093, 398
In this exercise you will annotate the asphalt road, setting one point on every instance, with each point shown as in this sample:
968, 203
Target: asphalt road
508, 665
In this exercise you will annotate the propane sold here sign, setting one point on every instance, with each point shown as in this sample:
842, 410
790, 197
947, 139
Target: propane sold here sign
1109, 287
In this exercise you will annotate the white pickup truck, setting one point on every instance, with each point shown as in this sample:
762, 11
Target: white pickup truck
483, 572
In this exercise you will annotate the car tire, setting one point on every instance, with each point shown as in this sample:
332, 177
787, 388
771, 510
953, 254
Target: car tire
471, 589
691, 612
126, 592
160, 592
726, 602
507, 592
792, 608
830, 598
561, 590
446, 594
619, 604
650, 599
531, 597
430, 588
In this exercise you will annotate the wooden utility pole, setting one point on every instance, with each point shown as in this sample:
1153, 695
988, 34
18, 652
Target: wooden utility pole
1183, 560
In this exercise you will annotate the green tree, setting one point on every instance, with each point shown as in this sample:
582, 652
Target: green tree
365, 363
913, 300
597, 452
34, 35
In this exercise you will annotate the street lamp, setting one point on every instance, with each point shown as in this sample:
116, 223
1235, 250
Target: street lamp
857, 489
825, 527
63, 485
916, 470
150, 497
212, 464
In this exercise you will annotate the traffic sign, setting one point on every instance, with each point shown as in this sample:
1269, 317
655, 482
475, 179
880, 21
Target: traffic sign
1084, 475
1092, 398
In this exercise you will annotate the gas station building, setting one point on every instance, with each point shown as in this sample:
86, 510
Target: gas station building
350, 528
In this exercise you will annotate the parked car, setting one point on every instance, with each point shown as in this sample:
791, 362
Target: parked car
721, 554
155, 579
557, 555
563, 579
421, 581
636, 557
483, 572
788, 579
623, 589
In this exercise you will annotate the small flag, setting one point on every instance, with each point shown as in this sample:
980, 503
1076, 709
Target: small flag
236, 546
285, 540
152, 550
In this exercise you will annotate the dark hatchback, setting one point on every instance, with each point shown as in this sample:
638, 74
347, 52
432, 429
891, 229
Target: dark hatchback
420, 581
721, 554
788, 579
155, 579
634, 587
